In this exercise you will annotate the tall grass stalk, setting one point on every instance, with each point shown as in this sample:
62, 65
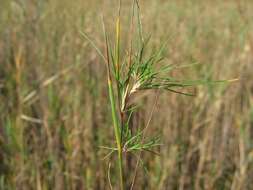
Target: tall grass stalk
115, 119
126, 78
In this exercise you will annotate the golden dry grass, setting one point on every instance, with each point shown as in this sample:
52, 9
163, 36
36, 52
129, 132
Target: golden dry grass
54, 102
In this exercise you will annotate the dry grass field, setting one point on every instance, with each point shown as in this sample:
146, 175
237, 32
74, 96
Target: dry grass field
55, 111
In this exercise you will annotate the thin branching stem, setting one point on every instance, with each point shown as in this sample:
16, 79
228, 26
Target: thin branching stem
144, 134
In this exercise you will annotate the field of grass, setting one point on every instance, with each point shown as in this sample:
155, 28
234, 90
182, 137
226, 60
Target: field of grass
55, 113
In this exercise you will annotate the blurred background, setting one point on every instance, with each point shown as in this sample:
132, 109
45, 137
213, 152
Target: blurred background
54, 111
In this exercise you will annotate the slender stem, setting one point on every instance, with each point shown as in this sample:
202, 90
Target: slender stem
117, 133
114, 114
131, 37
118, 68
144, 133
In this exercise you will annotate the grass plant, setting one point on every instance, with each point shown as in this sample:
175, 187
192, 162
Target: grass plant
156, 129
131, 73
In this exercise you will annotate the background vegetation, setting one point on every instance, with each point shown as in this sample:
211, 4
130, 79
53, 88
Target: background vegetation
54, 110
